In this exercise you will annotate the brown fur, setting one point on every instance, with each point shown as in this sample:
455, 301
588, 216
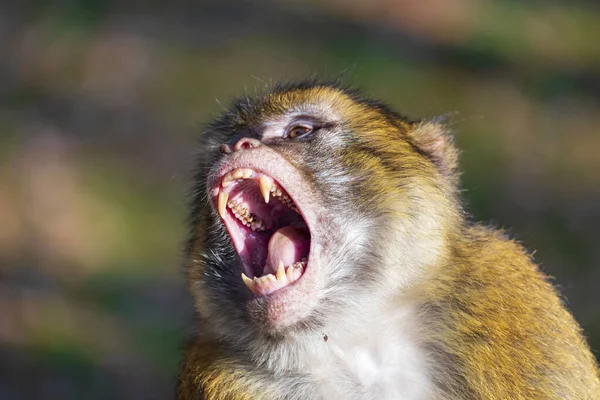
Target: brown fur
503, 325
208, 373
493, 325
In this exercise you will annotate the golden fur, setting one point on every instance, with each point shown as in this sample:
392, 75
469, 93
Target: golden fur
492, 324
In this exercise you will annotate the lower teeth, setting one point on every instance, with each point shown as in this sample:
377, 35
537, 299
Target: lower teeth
270, 282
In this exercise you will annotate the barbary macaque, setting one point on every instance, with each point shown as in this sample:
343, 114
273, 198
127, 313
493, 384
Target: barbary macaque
330, 257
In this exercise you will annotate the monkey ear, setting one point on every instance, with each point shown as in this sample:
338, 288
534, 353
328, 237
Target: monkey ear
434, 139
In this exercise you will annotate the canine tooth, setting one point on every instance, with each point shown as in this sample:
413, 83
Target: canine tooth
222, 204
247, 173
237, 174
266, 184
249, 282
281, 272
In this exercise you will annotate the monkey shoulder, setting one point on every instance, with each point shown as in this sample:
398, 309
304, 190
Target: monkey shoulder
501, 326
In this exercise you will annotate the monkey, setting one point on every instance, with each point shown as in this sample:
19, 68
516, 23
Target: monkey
331, 256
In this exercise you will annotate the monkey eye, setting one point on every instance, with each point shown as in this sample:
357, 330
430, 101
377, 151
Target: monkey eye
296, 131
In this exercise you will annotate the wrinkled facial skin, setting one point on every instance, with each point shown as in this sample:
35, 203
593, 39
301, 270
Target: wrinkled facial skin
358, 177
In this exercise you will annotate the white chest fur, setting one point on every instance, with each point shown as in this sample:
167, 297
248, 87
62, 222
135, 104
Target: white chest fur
376, 358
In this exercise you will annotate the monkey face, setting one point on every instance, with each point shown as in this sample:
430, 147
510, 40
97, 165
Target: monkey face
306, 208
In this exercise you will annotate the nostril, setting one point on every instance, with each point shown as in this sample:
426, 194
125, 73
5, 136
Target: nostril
246, 143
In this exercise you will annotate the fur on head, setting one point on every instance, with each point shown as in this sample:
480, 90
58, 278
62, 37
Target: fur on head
373, 191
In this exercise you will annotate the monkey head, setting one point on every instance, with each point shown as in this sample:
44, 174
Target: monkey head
313, 204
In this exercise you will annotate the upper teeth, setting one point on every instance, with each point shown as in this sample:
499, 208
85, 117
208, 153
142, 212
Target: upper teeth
223, 196
284, 198
241, 212
237, 173
267, 186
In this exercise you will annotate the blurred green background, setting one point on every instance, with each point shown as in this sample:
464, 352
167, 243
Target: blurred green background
101, 103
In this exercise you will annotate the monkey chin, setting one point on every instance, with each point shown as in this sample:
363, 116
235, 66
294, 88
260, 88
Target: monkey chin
285, 308
269, 213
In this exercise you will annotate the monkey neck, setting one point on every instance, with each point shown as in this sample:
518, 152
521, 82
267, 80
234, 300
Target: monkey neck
407, 258
382, 314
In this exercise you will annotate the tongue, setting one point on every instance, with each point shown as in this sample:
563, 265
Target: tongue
288, 244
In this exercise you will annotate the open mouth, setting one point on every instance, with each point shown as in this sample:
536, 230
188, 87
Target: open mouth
267, 230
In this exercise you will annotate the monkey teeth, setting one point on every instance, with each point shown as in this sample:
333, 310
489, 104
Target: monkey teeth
266, 284
241, 212
275, 229
238, 173
284, 198
267, 187
222, 203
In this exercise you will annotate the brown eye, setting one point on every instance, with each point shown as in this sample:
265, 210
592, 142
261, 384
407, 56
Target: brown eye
297, 131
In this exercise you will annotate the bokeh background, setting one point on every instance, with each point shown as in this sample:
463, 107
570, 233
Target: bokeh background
101, 103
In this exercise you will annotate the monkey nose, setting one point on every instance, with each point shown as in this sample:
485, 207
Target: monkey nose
246, 143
